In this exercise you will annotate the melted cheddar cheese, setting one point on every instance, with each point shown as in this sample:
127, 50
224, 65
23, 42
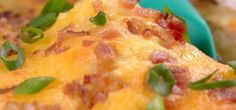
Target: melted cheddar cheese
78, 57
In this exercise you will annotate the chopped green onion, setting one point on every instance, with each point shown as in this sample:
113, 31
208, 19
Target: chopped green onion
156, 104
161, 79
232, 64
56, 6
202, 85
33, 85
187, 37
44, 21
167, 10
203, 80
99, 19
12, 64
31, 34
214, 85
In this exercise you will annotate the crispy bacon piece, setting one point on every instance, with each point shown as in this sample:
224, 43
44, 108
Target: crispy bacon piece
173, 25
97, 5
6, 90
106, 55
64, 34
147, 13
159, 57
71, 33
30, 106
87, 43
136, 26
182, 78
95, 88
227, 95
109, 34
129, 4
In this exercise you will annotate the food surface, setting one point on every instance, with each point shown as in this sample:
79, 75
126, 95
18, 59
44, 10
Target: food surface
108, 55
221, 16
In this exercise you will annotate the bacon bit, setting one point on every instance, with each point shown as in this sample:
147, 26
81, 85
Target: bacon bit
129, 4
173, 25
69, 32
95, 88
159, 57
6, 90
63, 35
163, 24
75, 34
136, 26
30, 106
87, 43
178, 36
106, 55
61, 50
73, 88
97, 5
181, 76
147, 13
176, 25
227, 95
56, 47
109, 34
147, 33
151, 32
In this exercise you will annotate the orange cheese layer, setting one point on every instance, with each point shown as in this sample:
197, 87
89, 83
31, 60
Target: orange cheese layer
131, 64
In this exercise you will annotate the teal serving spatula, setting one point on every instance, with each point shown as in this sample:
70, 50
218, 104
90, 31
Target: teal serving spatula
199, 31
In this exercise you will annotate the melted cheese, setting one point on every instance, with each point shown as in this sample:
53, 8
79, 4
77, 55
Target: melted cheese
132, 65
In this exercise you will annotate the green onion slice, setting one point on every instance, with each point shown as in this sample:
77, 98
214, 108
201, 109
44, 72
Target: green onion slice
44, 21
99, 19
56, 6
161, 79
202, 85
203, 80
33, 85
12, 64
31, 34
232, 64
167, 10
156, 104
214, 85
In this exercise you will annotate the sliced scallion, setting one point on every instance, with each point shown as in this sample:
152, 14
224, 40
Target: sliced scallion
214, 85
161, 79
31, 34
12, 64
99, 19
44, 21
167, 10
156, 104
203, 85
33, 85
47, 18
56, 6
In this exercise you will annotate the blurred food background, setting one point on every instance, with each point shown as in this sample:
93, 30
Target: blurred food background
219, 14
221, 17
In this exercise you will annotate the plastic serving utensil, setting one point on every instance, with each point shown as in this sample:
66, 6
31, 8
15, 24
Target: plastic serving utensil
199, 31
